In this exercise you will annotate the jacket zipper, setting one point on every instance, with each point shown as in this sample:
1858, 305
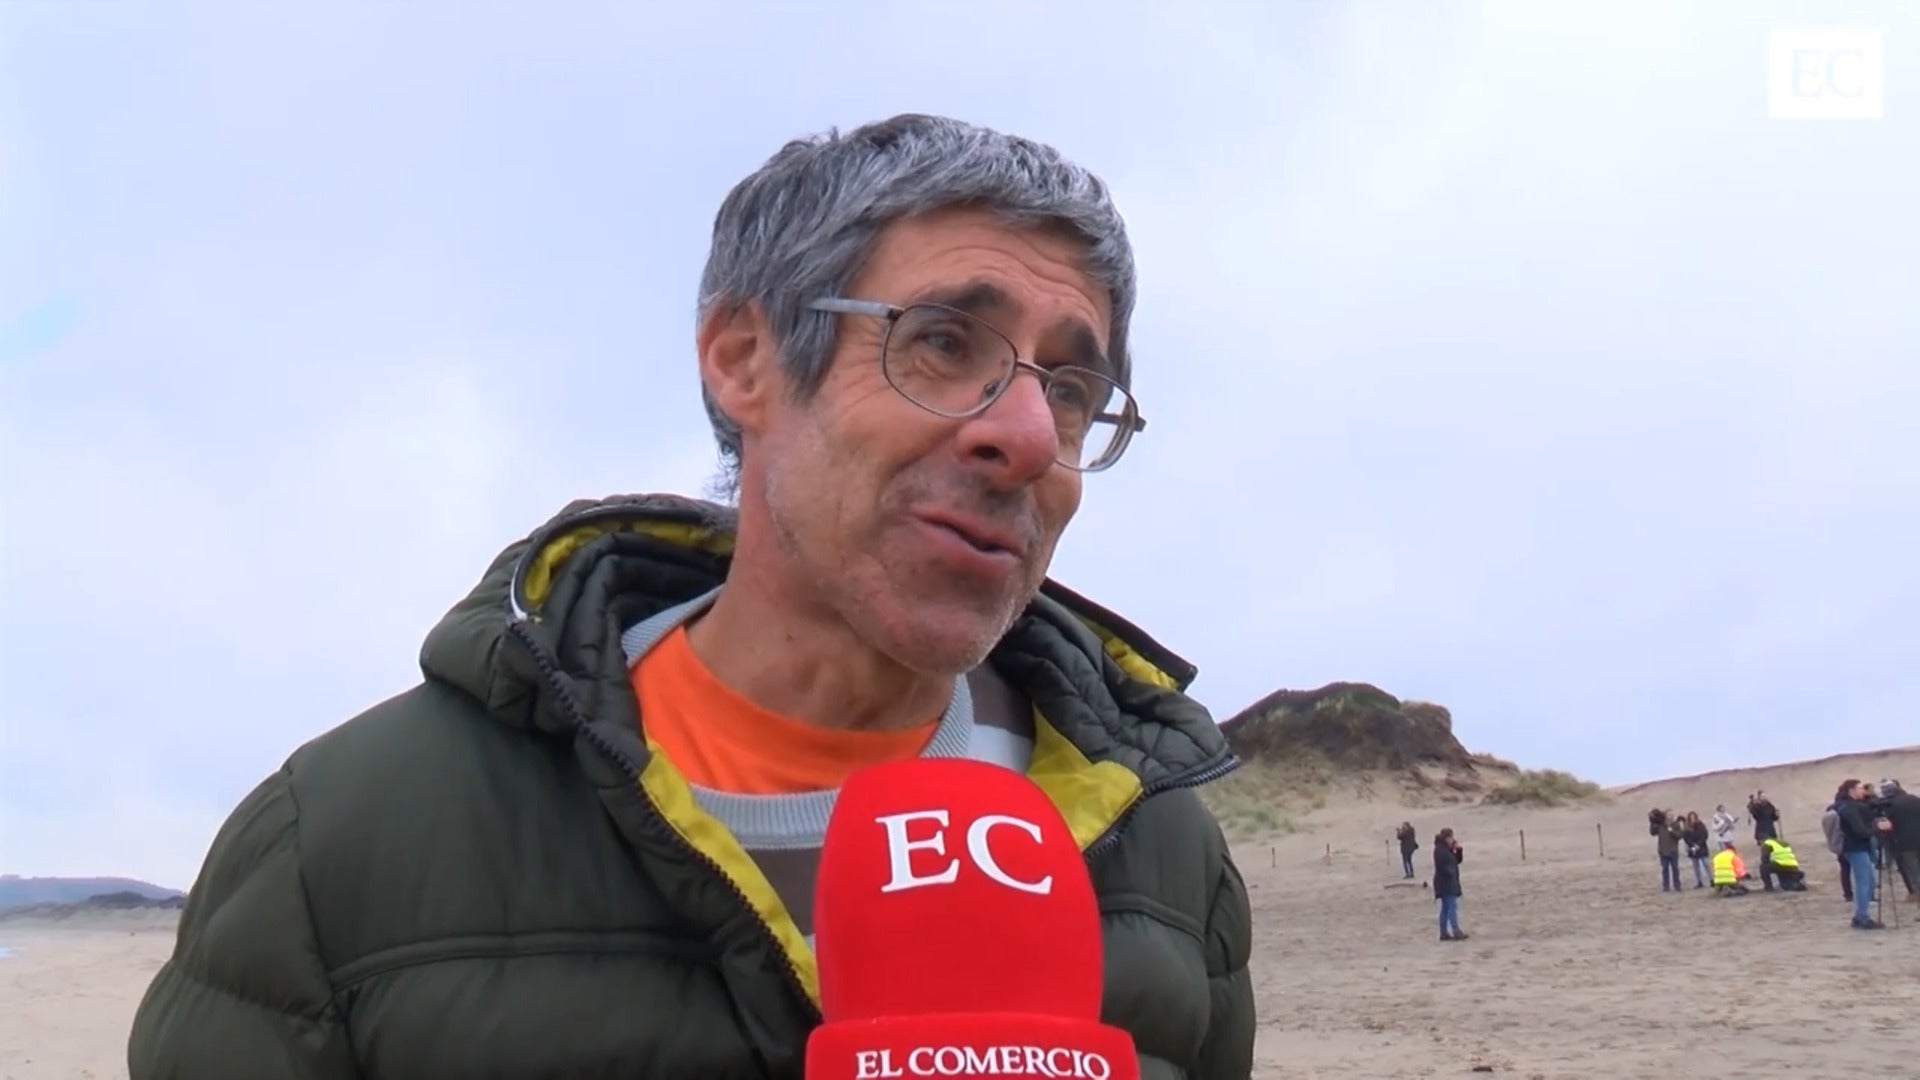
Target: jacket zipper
1203, 775
550, 674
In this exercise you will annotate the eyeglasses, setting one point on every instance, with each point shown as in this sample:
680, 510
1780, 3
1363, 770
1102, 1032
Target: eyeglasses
953, 364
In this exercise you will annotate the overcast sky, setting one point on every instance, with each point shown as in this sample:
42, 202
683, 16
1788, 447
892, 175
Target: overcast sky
1506, 355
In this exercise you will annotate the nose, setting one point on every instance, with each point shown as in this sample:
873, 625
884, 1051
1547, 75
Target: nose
1015, 440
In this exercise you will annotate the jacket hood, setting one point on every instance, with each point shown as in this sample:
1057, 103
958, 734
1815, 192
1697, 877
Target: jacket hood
599, 566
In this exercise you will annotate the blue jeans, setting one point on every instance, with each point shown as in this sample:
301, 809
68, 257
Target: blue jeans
1700, 871
1860, 866
1669, 872
1449, 915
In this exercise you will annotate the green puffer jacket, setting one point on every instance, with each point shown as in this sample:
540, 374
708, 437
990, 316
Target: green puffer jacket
488, 875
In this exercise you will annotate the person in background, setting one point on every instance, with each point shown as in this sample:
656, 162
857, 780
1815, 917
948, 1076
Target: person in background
1723, 824
1698, 853
1766, 817
1447, 857
1858, 827
1777, 860
1836, 841
1728, 869
1409, 843
1903, 810
1667, 842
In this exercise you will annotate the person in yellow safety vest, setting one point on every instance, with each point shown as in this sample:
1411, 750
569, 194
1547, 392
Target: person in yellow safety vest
1777, 861
1727, 872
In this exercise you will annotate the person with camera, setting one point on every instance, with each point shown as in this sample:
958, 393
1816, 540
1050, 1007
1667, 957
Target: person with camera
1409, 843
1447, 857
1902, 808
1667, 833
1766, 817
1858, 825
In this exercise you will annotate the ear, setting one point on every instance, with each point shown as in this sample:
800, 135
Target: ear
739, 364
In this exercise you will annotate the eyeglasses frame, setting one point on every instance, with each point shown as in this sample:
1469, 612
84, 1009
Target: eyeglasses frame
1128, 421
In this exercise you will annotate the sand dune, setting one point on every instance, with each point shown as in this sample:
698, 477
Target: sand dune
1578, 967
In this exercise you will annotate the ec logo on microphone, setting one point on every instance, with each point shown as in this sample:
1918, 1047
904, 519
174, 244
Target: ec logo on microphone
901, 846
1824, 73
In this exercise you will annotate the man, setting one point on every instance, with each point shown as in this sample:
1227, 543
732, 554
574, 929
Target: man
1777, 860
585, 844
1667, 843
1858, 826
1766, 816
1903, 841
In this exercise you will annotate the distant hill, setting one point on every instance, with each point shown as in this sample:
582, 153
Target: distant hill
1353, 726
17, 891
1354, 741
103, 904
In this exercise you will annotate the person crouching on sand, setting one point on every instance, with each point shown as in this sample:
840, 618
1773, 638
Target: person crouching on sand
1728, 869
1447, 856
1777, 860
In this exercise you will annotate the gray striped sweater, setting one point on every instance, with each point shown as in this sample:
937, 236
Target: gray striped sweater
986, 720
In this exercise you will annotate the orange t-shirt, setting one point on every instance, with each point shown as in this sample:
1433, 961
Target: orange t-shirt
720, 740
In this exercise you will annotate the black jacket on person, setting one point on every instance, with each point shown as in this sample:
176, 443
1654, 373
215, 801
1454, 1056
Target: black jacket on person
1856, 823
1904, 811
1446, 870
1765, 817
1696, 838
1409, 842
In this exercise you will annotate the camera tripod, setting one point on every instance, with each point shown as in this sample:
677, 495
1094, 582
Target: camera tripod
1887, 872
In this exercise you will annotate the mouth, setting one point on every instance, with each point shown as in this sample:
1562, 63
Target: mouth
982, 538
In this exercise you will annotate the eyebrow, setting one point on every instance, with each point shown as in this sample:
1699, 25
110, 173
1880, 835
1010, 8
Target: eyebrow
984, 300
979, 298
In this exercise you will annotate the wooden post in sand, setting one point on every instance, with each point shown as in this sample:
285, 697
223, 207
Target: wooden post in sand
1329, 854
1600, 835
1273, 856
1523, 845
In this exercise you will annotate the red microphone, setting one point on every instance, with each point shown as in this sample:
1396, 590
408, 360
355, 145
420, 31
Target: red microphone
957, 933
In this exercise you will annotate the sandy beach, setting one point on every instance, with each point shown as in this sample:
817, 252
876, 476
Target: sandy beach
1578, 967
68, 991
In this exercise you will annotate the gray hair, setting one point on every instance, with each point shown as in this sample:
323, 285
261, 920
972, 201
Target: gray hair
803, 225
